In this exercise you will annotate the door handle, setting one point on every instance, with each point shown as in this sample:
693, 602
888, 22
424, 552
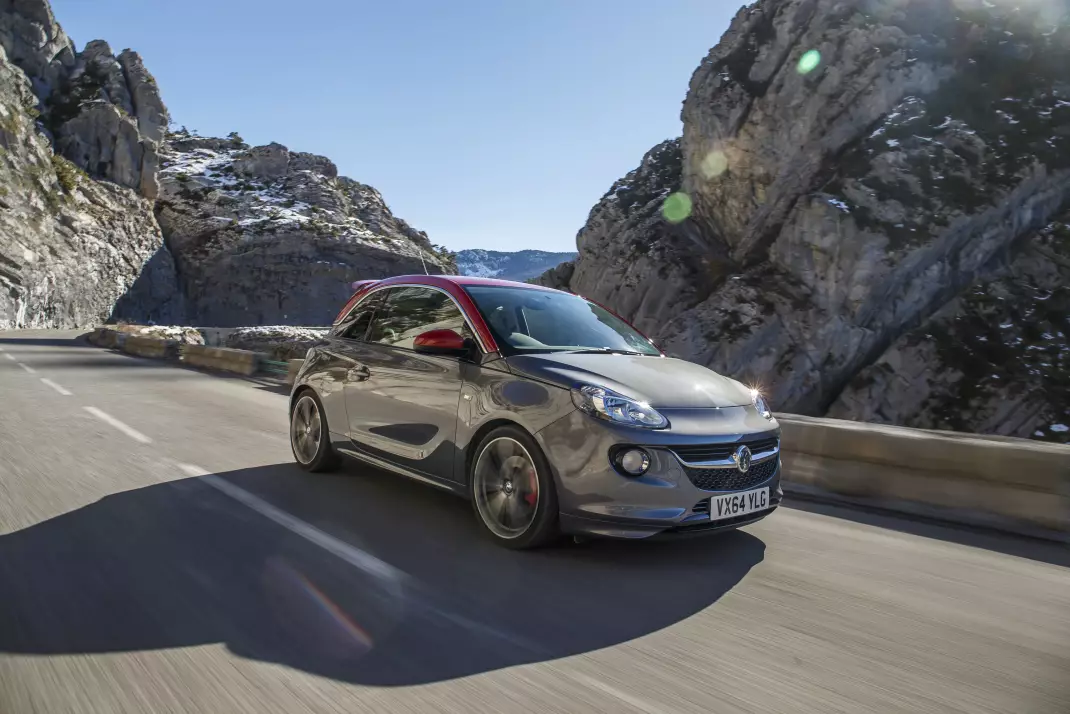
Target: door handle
357, 374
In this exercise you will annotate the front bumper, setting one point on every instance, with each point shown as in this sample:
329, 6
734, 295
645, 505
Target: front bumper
596, 500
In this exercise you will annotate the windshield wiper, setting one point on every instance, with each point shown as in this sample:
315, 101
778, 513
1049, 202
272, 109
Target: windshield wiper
603, 351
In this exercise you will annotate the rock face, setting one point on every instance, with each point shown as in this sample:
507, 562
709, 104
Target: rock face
850, 173
264, 235
34, 41
70, 247
249, 235
108, 118
995, 359
518, 265
647, 269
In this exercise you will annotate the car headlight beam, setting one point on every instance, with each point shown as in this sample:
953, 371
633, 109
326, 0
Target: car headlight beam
603, 403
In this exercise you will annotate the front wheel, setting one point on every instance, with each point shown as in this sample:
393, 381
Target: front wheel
309, 437
513, 491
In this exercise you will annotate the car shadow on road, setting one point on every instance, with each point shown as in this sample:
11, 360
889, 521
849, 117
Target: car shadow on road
402, 589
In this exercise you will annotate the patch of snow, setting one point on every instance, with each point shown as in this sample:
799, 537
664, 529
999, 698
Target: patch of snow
892, 142
1060, 428
839, 204
1038, 433
1009, 119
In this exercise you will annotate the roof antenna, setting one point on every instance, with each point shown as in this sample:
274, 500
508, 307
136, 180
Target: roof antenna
423, 263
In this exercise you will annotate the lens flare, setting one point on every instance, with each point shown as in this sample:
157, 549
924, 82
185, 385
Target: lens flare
809, 62
336, 614
677, 207
715, 164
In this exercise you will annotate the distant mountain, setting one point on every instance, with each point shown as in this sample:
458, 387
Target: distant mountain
521, 265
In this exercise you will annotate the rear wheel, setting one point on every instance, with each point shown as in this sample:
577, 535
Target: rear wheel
310, 438
513, 490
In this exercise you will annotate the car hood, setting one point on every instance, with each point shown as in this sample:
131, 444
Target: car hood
658, 381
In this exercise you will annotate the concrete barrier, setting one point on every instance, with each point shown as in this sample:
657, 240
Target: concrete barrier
1011, 484
148, 346
220, 358
105, 337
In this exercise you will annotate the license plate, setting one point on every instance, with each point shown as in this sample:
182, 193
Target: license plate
739, 504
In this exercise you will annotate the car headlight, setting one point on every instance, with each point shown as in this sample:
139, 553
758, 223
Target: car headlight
759, 404
605, 404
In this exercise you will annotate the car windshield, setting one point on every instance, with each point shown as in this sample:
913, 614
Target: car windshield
529, 320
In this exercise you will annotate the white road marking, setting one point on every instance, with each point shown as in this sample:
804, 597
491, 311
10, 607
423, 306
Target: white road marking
55, 386
350, 554
27, 367
614, 692
112, 421
10, 357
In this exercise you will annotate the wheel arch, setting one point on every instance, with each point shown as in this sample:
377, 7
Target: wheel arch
484, 429
296, 394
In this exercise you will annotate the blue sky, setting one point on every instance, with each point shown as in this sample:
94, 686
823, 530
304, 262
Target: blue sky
487, 123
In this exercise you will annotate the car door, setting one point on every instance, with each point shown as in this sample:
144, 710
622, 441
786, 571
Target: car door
339, 361
404, 407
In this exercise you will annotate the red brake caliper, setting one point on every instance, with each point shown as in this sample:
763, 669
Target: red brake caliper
532, 496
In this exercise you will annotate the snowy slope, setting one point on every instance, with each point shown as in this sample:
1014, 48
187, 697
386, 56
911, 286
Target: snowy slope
519, 265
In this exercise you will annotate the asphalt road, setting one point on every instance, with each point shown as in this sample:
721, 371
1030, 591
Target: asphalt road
160, 553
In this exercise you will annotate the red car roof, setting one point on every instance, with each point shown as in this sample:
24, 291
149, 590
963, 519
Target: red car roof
439, 281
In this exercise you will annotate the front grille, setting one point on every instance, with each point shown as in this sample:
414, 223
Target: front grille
730, 478
702, 507
713, 452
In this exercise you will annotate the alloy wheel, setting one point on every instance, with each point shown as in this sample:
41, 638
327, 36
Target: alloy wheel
306, 429
506, 487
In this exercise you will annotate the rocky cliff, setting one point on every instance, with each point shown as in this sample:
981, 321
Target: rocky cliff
106, 214
266, 235
859, 187
70, 246
508, 265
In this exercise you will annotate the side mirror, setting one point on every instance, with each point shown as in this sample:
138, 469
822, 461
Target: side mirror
442, 342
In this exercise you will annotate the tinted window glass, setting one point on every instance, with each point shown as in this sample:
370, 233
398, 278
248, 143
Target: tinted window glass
355, 325
531, 320
410, 311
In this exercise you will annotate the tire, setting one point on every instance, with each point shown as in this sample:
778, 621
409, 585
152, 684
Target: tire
515, 505
307, 418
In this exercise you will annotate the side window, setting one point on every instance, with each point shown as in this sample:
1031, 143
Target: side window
356, 323
410, 311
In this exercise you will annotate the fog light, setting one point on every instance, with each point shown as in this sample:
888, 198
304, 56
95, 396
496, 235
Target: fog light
633, 462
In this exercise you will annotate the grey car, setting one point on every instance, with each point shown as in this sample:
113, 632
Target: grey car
551, 414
